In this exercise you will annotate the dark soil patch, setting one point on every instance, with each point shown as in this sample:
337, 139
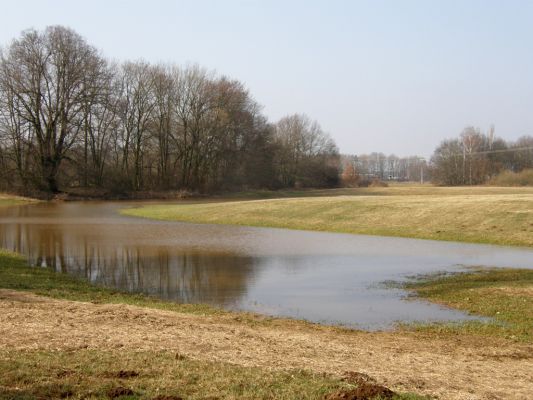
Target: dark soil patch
118, 392
357, 377
66, 394
367, 388
365, 391
64, 373
121, 374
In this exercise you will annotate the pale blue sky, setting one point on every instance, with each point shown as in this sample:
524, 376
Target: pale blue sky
392, 76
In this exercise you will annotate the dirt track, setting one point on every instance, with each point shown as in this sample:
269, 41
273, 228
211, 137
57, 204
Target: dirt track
460, 369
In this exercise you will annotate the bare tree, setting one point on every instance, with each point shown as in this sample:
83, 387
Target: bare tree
50, 76
305, 153
136, 105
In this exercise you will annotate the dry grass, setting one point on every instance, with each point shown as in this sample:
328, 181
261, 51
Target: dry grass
458, 368
480, 214
510, 178
394, 189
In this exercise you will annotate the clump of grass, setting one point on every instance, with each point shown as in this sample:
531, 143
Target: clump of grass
510, 178
504, 295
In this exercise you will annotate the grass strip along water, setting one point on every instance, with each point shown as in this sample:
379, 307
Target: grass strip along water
479, 215
503, 295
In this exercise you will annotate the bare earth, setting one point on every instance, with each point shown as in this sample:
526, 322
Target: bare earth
462, 368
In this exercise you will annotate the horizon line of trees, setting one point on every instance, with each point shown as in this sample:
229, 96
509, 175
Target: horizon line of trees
475, 157
71, 118
362, 169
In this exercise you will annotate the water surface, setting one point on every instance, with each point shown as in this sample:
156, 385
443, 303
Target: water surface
322, 277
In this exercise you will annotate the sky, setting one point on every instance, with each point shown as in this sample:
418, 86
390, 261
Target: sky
388, 76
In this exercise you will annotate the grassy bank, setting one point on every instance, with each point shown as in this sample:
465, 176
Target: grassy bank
135, 375
15, 274
12, 200
504, 295
480, 215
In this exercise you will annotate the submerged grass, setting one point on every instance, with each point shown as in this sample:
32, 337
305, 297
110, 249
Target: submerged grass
479, 215
504, 295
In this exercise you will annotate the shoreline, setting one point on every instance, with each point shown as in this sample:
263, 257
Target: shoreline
79, 319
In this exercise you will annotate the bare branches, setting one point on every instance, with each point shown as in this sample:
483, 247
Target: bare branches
48, 77
69, 117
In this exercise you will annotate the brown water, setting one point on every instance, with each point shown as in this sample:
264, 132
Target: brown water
322, 277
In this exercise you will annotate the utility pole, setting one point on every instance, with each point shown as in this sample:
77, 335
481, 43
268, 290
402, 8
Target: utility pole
422, 160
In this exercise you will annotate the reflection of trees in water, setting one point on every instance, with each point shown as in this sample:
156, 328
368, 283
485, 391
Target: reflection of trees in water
170, 273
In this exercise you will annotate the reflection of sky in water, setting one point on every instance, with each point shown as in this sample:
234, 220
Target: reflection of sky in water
322, 277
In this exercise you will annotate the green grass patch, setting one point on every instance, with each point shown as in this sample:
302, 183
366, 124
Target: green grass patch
144, 375
504, 295
6, 201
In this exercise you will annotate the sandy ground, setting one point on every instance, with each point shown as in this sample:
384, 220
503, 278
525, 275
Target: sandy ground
462, 368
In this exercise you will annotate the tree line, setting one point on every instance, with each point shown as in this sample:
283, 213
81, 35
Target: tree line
475, 157
69, 117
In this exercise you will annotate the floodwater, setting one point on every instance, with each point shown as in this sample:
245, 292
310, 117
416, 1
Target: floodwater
322, 277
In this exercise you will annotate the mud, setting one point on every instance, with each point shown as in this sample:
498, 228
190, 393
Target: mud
365, 391
367, 388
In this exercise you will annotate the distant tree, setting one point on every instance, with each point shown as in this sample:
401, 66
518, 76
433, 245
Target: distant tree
475, 157
522, 156
448, 162
306, 155
349, 176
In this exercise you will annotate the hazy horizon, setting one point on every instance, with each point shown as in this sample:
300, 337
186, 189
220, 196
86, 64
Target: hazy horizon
378, 75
